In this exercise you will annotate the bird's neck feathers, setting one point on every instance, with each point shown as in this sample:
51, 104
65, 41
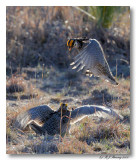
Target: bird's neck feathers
82, 44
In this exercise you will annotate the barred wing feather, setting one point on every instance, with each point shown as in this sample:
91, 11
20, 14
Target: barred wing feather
81, 112
92, 58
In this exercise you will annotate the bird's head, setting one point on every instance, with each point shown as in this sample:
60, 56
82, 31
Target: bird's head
70, 43
63, 107
76, 42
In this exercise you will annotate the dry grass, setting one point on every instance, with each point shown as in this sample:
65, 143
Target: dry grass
105, 130
73, 146
38, 73
38, 35
90, 136
43, 26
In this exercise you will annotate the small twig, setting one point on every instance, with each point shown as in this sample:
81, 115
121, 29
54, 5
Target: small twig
60, 121
116, 69
88, 14
124, 61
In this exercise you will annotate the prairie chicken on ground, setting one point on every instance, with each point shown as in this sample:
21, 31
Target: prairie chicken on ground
91, 58
43, 119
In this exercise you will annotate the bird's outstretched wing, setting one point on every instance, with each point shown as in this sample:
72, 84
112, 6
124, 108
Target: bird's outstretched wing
92, 58
37, 115
82, 112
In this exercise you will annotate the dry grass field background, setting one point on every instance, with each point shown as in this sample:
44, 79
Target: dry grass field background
38, 72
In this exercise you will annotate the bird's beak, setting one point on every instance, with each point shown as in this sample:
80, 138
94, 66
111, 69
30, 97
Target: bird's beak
69, 49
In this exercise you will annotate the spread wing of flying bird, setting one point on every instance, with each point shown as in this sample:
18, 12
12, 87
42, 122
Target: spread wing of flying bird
91, 58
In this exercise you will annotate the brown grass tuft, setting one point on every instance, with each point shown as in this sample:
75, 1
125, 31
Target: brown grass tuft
16, 84
73, 146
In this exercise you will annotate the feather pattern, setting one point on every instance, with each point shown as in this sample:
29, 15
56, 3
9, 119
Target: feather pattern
92, 58
83, 111
43, 119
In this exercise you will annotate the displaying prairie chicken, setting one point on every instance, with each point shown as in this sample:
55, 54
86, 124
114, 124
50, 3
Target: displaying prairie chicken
43, 119
91, 58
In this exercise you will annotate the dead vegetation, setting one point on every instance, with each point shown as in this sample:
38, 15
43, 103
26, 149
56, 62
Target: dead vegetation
91, 135
38, 73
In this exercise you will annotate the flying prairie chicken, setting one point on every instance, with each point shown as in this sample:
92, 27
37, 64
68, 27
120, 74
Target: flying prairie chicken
91, 58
